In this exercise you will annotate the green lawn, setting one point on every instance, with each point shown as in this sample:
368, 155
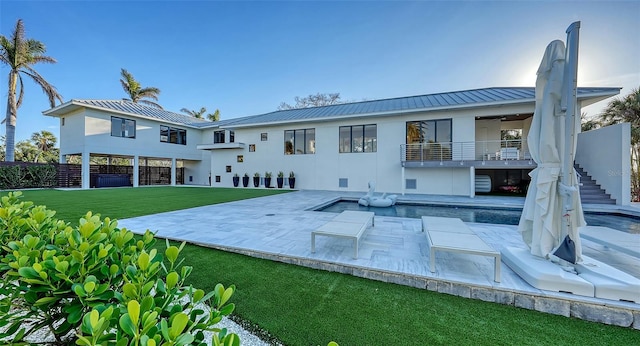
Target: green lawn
120, 203
302, 306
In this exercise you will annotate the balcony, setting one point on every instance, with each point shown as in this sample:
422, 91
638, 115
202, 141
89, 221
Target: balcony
481, 154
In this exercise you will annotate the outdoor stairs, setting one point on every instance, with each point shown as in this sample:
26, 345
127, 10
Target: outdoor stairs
590, 191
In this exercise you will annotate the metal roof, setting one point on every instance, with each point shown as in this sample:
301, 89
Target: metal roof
455, 99
132, 108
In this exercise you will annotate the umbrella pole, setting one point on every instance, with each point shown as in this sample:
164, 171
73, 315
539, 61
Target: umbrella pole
568, 185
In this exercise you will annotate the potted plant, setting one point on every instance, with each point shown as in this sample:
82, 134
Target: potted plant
292, 180
245, 180
236, 180
256, 179
280, 179
267, 179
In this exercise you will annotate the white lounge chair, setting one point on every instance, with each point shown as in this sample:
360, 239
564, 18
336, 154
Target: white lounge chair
453, 235
348, 224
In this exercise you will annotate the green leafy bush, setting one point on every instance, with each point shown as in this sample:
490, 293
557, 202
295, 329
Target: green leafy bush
42, 176
12, 177
96, 284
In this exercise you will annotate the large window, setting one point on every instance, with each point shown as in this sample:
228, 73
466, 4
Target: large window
429, 131
358, 139
431, 140
121, 127
173, 135
300, 142
218, 136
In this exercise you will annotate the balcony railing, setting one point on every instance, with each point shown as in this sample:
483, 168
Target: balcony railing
515, 149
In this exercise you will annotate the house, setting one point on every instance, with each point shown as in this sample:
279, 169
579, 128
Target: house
447, 143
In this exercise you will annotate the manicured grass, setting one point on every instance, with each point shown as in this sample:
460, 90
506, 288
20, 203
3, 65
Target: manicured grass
302, 306
120, 203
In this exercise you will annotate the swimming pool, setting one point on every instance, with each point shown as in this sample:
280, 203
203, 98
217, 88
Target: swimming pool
503, 216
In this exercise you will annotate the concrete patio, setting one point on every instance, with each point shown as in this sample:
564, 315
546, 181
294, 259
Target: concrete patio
395, 250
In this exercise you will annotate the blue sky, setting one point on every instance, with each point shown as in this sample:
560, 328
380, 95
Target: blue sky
245, 58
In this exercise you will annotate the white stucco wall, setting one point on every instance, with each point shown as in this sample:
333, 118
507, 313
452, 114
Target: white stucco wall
605, 154
89, 131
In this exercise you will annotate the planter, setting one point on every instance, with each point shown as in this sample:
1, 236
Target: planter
256, 181
280, 182
245, 181
267, 182
236, 181
292, 182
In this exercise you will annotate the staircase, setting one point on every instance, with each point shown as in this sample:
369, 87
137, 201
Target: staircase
590, 192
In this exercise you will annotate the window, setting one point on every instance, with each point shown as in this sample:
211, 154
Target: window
298, 142
358, 139
252, 148
173, 135
232, 136
123, 127
429, 131
263, 136
432, 139
218, 136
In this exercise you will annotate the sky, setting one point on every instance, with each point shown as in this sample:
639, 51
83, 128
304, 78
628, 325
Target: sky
246, 57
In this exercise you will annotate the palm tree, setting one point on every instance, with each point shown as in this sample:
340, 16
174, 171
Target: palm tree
627, 110
136, 92
44, 142
215, 116
20, 53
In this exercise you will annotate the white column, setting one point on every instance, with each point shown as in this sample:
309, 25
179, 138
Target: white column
173, 171
136, 171
472, 181
85, 169
402, 182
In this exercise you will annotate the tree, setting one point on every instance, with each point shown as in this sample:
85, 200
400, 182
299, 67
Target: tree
316, 100
215, 116
136, 92
627, 110
589, 124
45, 142
20, 53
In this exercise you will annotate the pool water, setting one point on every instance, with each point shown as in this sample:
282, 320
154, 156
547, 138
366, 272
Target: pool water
503, 216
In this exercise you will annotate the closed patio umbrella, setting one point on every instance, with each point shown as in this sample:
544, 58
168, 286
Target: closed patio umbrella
552, 208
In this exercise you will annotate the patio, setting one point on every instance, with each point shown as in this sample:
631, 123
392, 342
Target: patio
395, 250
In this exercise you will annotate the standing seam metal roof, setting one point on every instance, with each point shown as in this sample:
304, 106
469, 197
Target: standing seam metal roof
469, 98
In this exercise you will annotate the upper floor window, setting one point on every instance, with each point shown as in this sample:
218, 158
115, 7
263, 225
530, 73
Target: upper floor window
218, 136
429, 131
300, 142
232, 136
173, 135
358, 139
121, 127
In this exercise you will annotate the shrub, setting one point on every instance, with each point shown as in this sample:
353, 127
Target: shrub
97, 284
12, 177
42, 176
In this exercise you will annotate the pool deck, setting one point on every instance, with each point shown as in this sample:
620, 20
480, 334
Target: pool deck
394, 250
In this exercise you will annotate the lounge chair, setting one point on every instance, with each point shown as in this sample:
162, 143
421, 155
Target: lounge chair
453, 235
348, 224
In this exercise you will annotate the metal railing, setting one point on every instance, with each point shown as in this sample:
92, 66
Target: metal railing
515, 149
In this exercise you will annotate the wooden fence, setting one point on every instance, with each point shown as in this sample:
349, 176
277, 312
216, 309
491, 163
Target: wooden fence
70, 175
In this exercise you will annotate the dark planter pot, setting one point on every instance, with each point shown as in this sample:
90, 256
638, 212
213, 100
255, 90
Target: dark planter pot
236, 181
256, 181
267, 182
280, 182
292, 183
245, 181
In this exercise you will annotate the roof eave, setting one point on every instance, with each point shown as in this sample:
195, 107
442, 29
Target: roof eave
73, 105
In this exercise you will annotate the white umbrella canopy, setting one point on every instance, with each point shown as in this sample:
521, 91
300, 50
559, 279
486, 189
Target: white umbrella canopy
544, 212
